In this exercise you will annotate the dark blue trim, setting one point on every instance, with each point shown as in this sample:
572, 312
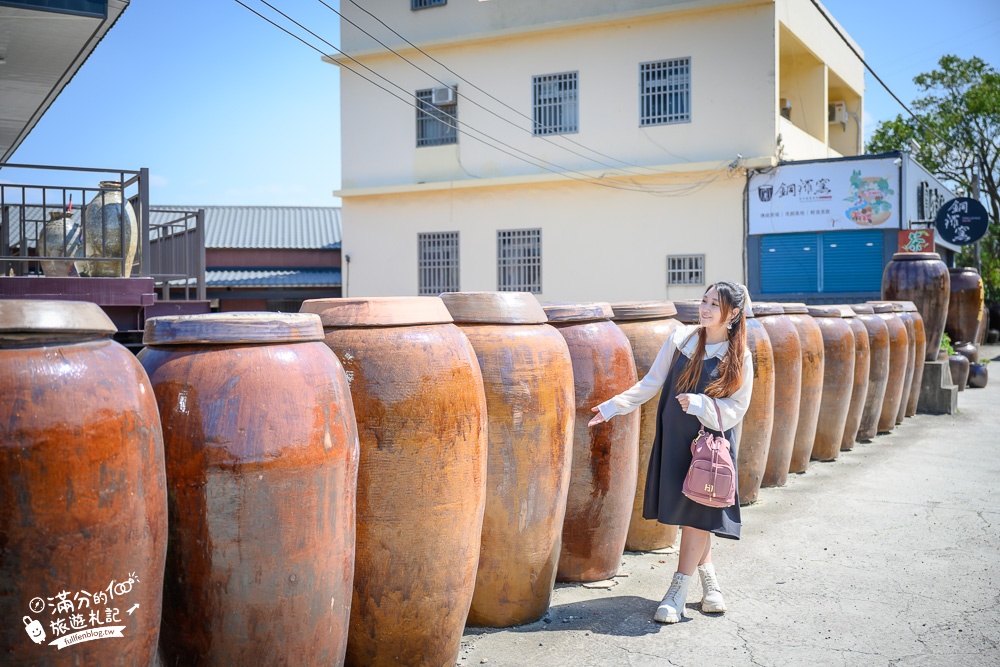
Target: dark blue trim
94, 8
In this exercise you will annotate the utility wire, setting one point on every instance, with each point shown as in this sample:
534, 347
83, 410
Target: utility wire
564, 172
484, 108
492, 97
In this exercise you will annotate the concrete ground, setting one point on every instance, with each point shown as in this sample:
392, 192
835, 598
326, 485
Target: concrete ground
888, 556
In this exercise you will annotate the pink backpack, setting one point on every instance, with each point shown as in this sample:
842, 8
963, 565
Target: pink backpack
711, 479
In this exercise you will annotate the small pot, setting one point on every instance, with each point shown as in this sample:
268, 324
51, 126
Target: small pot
967, 350
978, 375
959, 370
992, 337
942, 355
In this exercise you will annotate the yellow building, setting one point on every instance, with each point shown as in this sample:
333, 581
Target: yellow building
602, 148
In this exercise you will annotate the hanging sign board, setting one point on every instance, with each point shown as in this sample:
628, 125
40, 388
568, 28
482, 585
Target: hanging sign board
916, 240
962, 221
825, 196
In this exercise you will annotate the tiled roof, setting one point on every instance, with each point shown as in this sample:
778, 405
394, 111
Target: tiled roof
265, 227
274, 278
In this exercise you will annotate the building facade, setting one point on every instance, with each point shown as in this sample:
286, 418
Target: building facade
579, 150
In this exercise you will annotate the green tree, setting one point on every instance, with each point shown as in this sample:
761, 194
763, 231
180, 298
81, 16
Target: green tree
958, 130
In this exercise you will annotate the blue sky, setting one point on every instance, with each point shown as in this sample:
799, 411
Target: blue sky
225, 109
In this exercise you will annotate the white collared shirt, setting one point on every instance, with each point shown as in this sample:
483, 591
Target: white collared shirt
733, 408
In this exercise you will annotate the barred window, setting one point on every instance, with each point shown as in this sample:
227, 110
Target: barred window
685, 269
665, 92
423, 4
555, 104
438, 263
519, 260
435, 125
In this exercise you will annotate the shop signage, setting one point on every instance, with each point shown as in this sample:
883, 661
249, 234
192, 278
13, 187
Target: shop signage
916, 240
825, 196
962, 221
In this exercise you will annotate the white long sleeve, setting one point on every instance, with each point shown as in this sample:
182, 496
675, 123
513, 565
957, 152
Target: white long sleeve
652, 382
733, 408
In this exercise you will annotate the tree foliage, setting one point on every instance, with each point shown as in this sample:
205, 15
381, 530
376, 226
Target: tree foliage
958, 131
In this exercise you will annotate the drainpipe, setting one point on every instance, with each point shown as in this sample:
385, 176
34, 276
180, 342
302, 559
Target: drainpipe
860, 137
347, 276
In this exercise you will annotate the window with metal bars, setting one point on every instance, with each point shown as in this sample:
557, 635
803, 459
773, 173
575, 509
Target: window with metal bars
424, 4
519, 260
665, 92
685, 269
435, 125
438, 263
555, 103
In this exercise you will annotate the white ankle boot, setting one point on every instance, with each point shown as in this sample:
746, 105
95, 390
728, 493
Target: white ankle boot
711, 601
671, 610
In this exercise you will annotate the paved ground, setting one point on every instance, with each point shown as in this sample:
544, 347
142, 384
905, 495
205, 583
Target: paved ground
888, 556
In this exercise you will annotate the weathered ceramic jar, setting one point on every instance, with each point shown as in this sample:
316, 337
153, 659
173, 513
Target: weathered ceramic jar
262, 461
647, 325
838, 380
911, 354
978, 376
921, 277
878, 369
919, 356
83, 500
811, 394
965, 308
421, 411
688, 311
528, 379
755, 430
60, 237
959, 366
984, 325
967, 350
862, 369
605, 457
899, 358
787, 355
110, 230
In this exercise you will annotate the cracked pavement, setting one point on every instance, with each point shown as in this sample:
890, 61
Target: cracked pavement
889, 556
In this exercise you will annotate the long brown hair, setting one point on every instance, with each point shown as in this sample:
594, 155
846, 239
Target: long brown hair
730, 377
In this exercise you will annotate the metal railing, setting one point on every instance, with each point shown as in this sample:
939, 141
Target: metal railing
32, 213
177, 252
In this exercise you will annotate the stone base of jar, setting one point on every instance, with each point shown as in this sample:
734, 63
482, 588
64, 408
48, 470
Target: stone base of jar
938, 396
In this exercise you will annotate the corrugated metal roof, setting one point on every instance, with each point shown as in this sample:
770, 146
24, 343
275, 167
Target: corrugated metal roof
265, 227
274, 278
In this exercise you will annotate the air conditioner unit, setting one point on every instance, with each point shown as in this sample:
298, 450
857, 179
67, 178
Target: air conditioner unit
837, 112
444, 97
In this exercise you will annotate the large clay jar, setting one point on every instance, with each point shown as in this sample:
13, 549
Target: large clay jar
421, 409
758, 423
647, 325
811, 394
60, 237
862, 370
605, 457
911, 353
83, 500
110, 230
528, 379
959, 366
899, 357
787, 355
921, 277
878, 369
919, 357
262, 461
688, 311
965, 307
838, 380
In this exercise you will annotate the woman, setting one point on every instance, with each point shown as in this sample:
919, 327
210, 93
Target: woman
711, 361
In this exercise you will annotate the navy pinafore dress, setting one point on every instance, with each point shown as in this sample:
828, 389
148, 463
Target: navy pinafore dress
671, 457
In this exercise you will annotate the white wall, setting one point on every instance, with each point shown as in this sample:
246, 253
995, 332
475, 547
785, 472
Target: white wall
596, 244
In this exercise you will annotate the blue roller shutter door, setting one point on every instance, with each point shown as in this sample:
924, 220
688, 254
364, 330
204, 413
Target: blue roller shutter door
852, 261
789, 263
821, 262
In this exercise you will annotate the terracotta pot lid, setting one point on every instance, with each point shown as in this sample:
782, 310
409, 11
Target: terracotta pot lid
763, 309
795, 308
380, 311
24, 318
643, 310
578, 312
915, 256
830, 310
232, 329
494, 307
897, 306
881, 307
688, 311
962, 269
908, 306
862, 308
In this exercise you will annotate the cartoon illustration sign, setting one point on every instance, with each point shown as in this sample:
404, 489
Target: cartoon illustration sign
825, 196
